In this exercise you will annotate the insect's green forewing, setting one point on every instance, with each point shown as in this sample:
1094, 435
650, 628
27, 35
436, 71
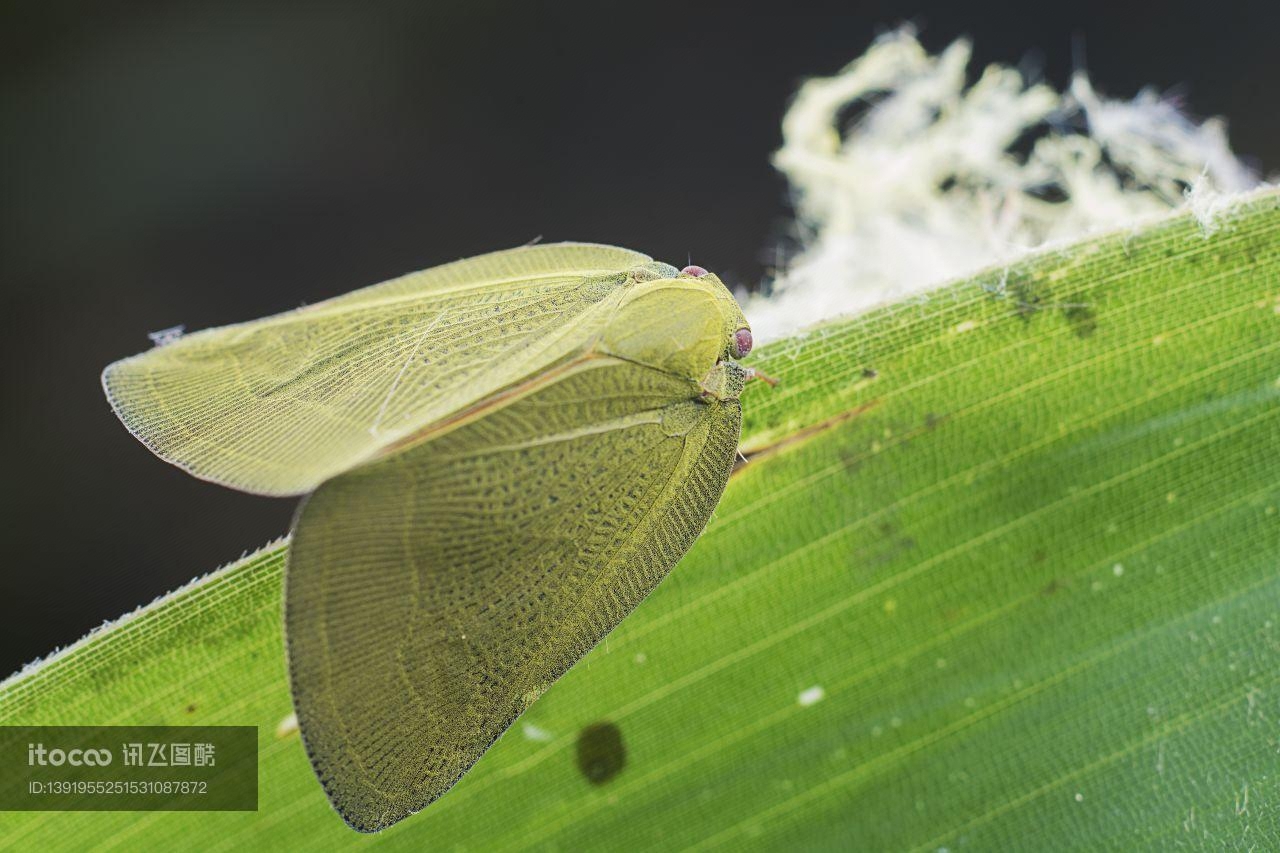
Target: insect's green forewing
445, 573
277, 406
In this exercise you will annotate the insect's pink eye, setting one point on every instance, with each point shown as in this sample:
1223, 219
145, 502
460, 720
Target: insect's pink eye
742, 341
693, 270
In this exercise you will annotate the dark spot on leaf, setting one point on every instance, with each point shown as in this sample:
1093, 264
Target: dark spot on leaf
191, 709
1027, 298
601, 754
1053, 587
881, 553
869, 373
1083, 319
851, 459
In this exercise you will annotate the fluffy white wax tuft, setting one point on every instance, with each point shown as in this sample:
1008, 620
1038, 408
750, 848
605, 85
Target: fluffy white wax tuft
906, 175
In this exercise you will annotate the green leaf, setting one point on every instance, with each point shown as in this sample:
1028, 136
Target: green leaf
1001, 572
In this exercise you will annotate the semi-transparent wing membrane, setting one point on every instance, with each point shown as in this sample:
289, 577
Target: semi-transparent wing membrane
434, 593
278, 405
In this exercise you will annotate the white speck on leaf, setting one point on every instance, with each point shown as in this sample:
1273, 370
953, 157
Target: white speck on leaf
811, 696
287, 726
536, 733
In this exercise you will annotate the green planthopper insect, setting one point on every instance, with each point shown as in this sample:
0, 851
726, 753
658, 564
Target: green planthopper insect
501, 458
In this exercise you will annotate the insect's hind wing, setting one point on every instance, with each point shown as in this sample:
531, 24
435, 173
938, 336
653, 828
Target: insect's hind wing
432, 595
278, 405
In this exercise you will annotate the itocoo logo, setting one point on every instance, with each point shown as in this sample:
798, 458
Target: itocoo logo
37, 754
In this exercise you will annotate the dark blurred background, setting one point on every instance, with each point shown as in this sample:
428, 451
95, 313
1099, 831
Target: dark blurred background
203, 163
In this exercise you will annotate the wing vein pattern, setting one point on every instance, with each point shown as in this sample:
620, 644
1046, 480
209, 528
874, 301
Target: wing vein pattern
433, 594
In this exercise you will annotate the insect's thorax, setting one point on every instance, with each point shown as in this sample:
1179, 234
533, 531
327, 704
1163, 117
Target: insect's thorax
682, 326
